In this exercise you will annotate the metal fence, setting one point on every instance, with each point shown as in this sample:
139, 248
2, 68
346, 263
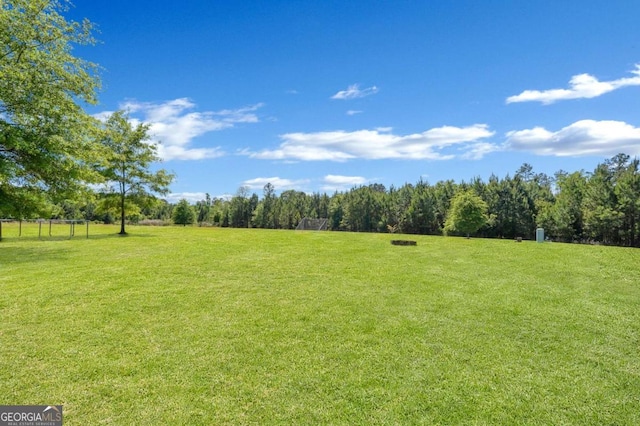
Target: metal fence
46, 227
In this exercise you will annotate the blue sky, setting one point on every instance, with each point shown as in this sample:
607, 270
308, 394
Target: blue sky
320, 96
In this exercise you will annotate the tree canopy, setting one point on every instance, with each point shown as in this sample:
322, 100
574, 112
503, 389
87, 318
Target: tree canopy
183, 214
468, 213
126, 165
46, 138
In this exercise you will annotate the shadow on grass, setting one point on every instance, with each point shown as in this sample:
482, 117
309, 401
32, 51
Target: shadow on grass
20, 255
77, 237
114, 236
10, 254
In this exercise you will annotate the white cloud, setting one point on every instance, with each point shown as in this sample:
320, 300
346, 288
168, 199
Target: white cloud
344, 180
378, 144
582, 138
580, 86
354, 91
173, 125
177, 152
278, 183
477, 151
191, 197
353, 112
342, 183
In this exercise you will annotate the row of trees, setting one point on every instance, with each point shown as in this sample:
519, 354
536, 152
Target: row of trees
598, 206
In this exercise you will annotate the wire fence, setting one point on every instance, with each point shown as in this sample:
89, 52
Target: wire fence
42, 228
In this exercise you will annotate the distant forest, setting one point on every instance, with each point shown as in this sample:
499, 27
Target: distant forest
601, 206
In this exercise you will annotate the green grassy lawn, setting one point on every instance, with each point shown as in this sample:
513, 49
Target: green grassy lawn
210, 326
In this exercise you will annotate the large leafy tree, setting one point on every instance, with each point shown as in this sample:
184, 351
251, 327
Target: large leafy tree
126, 168
183, 213
468, 213
46, 138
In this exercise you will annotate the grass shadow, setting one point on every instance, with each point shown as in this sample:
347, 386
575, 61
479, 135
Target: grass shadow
32, 249
44, 238
21, 255
116, 236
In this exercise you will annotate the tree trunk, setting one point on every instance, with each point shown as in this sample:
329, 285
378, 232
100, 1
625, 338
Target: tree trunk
123, 193
122, 231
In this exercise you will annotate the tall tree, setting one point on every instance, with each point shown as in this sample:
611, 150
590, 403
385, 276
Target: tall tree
46, 139
240, 209
627, 191
183, 214
443, 192
203, 207
421, 211
265, 218
398, 218
126, 168
511, 208
602, 220
336, 211
567, 213
468, 213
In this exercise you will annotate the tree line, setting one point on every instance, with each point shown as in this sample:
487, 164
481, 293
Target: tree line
600, 206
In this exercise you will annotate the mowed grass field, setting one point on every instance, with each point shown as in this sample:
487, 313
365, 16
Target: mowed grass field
203, 326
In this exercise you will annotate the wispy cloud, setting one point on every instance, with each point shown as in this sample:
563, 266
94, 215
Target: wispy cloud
177, 152
278, 183
582, 138
191, 197
173, 125
342, 183
580, 86
379, 144
353, 112
477, 150
354, 92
